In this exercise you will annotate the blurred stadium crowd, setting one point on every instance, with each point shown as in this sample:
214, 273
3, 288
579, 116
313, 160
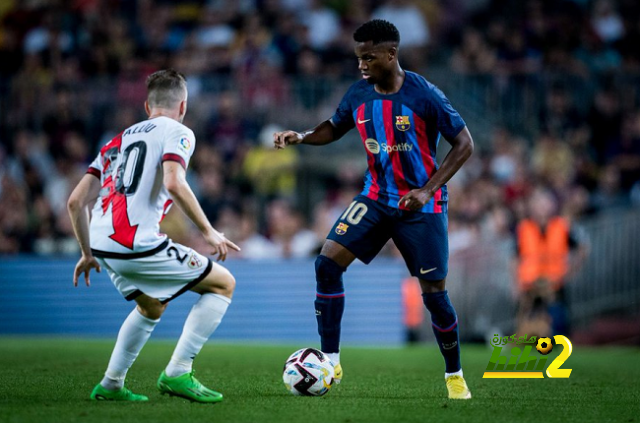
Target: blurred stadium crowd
72, 76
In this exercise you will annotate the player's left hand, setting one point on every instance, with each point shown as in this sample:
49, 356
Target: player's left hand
220, 244
85, 264
415, 199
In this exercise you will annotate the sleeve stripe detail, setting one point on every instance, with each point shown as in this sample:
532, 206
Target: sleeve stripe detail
95, 172
174, 158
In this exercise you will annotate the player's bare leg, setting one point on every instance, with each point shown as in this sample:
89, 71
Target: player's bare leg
445, 327
337, 253
330, 265
133, 335
215, 290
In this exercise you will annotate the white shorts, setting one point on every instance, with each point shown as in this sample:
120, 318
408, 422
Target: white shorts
165, 272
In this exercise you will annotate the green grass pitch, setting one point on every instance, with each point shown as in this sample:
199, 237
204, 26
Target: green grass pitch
49, 380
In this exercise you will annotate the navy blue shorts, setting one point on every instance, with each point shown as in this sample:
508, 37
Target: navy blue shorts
366, 226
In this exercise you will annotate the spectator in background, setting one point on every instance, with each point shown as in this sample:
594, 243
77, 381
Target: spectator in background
255, 246
550, 250
624, 153
287, 232
230, 129
322, 24
552, 159
605, 122
288, 40
272, 174
609, 194
266, 90
504, 160
30, 161
214, 29
474, 56
596, 55
62, 118
211, 192
414, 29
607, 22
404, 14
48, 37
515, 57
559, 116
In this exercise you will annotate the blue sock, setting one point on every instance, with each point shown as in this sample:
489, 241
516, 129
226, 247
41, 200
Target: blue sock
329, 303
445, 327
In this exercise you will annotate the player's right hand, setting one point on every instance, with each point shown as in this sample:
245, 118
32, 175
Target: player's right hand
284, 138
220, 245
85, 264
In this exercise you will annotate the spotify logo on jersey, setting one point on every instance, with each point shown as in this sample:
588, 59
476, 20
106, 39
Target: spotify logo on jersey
372, 145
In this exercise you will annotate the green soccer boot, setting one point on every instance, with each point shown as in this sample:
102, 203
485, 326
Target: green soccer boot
187, 386
101, 394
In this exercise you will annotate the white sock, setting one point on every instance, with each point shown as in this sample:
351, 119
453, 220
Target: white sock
334, 357
134, 333
204, 318
458, 373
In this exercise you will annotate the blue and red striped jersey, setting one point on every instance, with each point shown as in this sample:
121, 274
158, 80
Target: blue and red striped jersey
400, 133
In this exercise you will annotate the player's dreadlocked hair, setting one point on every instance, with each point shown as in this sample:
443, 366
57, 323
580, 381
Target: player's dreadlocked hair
378, 31
166, 88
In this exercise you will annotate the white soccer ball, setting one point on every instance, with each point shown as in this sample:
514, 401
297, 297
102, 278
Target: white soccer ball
308, 372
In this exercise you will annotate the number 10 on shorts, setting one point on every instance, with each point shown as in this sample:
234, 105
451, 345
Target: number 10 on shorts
354, 213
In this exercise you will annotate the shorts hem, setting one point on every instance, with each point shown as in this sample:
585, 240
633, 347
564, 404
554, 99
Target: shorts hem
191, 284
135, 294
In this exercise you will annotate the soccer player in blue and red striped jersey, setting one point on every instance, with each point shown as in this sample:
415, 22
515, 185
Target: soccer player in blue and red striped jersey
400, 117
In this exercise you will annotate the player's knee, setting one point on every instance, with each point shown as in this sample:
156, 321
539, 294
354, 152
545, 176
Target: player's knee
432, 286
328, 275
225, 284
229, 284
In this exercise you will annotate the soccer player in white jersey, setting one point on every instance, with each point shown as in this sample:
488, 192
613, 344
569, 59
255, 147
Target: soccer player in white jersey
135, 179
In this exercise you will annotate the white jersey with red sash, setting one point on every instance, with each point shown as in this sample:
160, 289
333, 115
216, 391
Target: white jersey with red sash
133, 200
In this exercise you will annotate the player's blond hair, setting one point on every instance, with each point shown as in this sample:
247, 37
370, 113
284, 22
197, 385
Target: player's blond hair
166, 88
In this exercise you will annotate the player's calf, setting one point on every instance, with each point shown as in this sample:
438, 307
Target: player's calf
329, 304
445, 327
215, 290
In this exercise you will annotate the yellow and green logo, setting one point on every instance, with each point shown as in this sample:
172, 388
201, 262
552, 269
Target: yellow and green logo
521, 363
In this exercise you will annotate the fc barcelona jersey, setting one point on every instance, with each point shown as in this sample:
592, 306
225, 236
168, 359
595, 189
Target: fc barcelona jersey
400, 133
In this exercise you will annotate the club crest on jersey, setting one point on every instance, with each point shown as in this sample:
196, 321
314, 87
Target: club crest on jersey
402, 123
194, 261
342, 228
184, 144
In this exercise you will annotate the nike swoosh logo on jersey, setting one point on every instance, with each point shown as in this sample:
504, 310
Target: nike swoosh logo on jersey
360, 122
424, 272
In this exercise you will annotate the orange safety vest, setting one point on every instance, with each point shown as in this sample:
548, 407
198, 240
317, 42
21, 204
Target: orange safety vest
413, 307
543, 255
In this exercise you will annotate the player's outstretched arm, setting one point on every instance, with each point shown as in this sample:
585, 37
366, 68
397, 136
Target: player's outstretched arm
175, 181
462, 149
78, 207
322, 134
